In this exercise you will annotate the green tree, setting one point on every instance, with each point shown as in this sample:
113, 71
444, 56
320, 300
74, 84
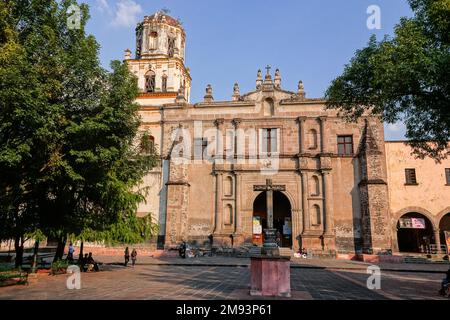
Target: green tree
405, 77
68, 161
28, 118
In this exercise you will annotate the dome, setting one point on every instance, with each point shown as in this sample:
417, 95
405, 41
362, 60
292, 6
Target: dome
163, 18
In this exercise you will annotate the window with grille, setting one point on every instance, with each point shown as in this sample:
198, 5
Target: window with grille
410, 176
345, 145
270, 140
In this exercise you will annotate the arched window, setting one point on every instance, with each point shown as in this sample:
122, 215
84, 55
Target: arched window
164, 83
313, 139
316, 216
153, 41
228, 186
228, 214
171, 46
150, 81
147, 143
268, 106
315, 186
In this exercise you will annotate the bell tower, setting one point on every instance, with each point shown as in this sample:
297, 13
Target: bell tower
159, 61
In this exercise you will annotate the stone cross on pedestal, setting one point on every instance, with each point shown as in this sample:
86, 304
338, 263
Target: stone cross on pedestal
269, 188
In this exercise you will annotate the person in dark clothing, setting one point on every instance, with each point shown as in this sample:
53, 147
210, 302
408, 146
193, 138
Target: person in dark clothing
445, 284
91, 263
83, 263
127, 256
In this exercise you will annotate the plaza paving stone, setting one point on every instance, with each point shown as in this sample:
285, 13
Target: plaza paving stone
228, 278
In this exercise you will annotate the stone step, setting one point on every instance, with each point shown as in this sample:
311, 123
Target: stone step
287, 252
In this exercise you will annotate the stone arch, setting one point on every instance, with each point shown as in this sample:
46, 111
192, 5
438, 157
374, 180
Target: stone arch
414, 239
282, 218
420, 210
441, 214
291, 199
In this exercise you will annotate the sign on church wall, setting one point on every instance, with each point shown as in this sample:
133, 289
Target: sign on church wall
412, 223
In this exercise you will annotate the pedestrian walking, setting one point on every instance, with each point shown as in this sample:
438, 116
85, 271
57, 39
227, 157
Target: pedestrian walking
127, 256
133, 257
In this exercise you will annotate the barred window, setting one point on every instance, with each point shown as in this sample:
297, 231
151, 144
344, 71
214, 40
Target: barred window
410, 176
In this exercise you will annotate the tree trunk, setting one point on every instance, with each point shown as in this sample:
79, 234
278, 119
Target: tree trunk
80, 256
60, 248
35, 256
18, 247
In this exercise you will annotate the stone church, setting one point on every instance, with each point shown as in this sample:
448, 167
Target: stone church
331, 182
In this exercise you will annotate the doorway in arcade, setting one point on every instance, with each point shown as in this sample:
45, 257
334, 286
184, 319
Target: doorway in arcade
282, 218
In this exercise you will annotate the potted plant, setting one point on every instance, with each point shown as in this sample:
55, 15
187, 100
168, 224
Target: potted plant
59, 267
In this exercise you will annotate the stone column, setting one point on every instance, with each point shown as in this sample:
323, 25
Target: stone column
328, 203
305, 208
219, 141
145, 36
437, 237
237, 203
302, 138
219, 226
323, 144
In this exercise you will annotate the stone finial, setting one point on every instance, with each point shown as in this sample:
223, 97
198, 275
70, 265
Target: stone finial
180, 97
127, 55
236, 93
208, 96
259, 79
277, 79
301, 90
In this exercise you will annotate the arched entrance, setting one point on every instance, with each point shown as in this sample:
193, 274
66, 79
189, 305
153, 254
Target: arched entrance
414, 233
444, 225
282, 217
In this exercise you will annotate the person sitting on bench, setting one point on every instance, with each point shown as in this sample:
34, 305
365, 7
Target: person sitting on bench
92, 265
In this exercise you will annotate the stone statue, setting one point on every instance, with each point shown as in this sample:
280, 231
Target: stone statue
301, 88
277, 73
208, 89
259, 79
236, 89
259, 74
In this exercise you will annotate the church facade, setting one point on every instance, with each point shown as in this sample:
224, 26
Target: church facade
330, 179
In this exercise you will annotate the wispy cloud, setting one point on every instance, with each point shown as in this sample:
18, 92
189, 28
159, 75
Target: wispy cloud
126, 13
103, 6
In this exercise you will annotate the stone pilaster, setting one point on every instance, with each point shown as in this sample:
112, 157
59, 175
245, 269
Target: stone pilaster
302, 138
375, 230
323, 141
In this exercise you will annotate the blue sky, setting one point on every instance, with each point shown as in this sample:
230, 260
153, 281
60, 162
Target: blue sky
228, 41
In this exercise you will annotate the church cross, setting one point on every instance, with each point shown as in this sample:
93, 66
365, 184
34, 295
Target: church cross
268, 69
269, 188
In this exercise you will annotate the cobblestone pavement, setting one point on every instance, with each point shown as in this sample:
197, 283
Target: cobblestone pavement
170, 281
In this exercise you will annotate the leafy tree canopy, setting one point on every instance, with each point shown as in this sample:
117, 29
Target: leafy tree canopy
405, 77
